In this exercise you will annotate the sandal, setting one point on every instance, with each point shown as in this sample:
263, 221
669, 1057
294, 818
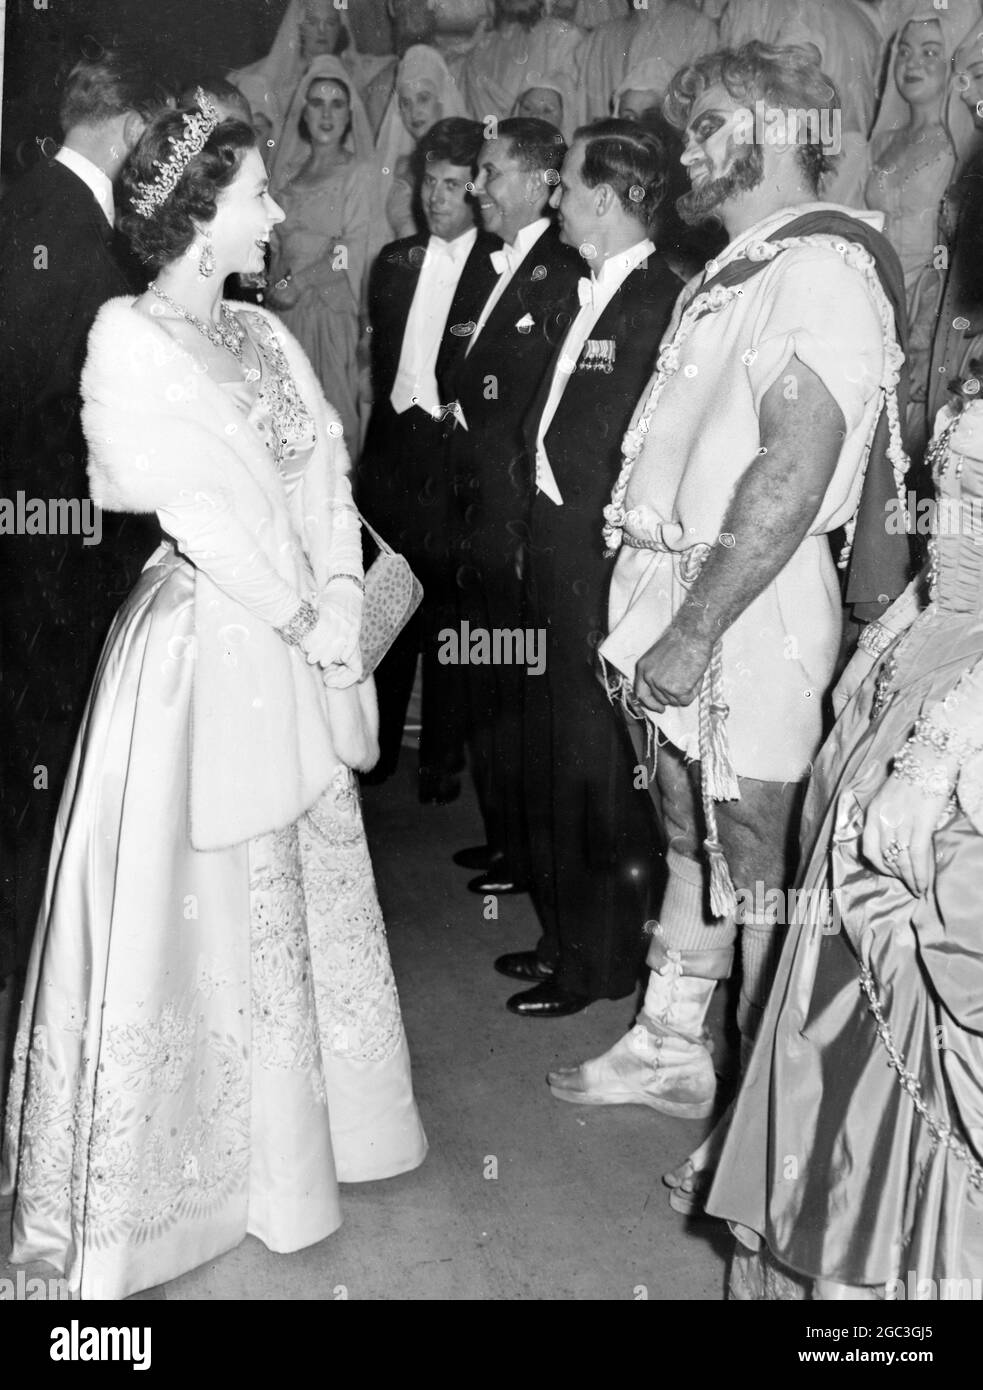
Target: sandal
688, 1187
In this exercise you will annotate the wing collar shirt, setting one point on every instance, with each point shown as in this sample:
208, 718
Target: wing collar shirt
507, 262
98, 183
596, 294
416, 376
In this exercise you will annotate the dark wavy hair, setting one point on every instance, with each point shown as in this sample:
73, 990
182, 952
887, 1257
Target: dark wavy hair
536, 144
454, 139
631, 159
788, 77
303, 129
168, 232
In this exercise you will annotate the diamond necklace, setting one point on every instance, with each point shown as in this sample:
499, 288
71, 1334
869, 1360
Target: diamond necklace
229, 334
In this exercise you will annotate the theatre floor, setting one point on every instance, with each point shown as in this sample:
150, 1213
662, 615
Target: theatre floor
575, 1209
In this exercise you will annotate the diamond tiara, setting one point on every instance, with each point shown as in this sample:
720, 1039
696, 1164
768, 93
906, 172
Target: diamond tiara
198, 125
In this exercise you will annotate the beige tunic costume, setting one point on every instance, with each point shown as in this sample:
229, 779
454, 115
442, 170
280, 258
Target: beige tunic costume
811, 303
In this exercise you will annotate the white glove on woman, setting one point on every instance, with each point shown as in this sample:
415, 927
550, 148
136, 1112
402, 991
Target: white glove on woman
333, 642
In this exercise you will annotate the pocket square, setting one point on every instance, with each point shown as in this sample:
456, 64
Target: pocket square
525, 323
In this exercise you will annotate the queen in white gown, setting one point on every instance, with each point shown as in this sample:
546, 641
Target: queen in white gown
210, 1038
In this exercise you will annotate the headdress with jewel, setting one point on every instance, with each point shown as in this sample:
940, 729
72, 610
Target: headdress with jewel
198, 126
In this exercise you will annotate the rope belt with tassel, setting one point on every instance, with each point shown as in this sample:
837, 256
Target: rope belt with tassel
718, 780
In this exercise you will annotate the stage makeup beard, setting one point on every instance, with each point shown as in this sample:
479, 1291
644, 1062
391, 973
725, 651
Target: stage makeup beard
700, 204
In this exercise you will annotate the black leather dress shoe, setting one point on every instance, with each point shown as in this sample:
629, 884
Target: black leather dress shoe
476, 857
524, 965
546, 1001
497, 879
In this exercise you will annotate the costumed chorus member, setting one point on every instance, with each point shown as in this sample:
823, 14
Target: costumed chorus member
309, 29
960, 323
425, 92
323, 176
913, 151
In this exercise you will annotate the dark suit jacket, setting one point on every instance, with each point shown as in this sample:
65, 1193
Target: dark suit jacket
495, 385
392, 286
402, 483
583, 444
590, 830
57, 268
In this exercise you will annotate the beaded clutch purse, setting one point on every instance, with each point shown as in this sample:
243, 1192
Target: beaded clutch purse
392, 596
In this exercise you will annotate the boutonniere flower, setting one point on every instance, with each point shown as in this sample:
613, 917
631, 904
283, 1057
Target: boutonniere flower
525, 324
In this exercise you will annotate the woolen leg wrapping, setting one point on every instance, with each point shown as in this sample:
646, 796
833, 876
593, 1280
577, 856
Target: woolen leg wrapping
685, 923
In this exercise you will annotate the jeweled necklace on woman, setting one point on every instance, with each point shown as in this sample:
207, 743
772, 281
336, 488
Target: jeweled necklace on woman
228, 334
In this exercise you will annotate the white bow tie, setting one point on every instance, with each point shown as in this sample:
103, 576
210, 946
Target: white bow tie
504, 260
585, 291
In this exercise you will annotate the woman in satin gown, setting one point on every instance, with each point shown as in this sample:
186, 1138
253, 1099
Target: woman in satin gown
210, 1037
854, 1164
323, 177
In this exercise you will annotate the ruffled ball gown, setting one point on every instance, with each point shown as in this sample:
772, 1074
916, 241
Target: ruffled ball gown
856, 1150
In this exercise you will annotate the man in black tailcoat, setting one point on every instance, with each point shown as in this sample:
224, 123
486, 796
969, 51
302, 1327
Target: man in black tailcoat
590, 830
493, 386
60, 263
424, 290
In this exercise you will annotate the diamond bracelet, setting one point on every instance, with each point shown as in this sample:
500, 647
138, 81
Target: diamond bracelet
353, 577
944, 741
935, 781
875, 639
303, 621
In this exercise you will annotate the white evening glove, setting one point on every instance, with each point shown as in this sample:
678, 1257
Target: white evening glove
333, 641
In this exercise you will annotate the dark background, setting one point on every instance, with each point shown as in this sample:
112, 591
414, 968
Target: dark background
184, 38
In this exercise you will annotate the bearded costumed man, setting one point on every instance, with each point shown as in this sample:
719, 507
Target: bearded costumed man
772, 420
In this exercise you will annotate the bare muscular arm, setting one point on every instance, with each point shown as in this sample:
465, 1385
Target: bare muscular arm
769, 515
